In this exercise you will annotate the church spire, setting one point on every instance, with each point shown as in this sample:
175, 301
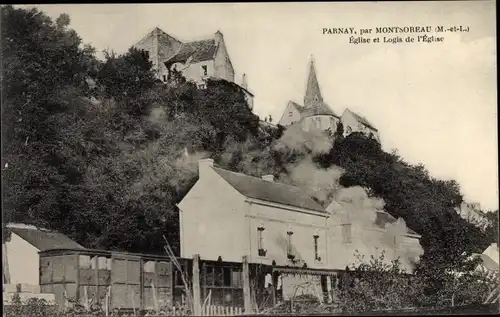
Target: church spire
313, 94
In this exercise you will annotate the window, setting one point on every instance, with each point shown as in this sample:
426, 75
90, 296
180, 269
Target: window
260, 241
346, 233
316, 253
289, 243
204, 70
290, 114
348, 130
332, 122
202, 86
145, 52
164, 78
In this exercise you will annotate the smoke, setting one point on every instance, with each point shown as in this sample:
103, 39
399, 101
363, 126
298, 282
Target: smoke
314, 141
358, 208
353, 205
322, 183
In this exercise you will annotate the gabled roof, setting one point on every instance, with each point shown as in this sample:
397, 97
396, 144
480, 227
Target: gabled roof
362, 120
257, 188
383, 218
487, 262
43, 239
200, 51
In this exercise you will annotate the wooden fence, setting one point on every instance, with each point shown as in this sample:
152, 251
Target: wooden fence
216, 310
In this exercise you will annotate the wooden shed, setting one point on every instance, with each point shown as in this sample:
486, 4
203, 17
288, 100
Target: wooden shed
112, 279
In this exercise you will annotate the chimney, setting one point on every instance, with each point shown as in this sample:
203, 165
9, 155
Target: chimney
268, 178
244, 81
218, 37
204, 165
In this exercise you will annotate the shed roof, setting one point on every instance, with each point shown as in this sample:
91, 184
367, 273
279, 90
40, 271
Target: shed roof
257, 188
45, 240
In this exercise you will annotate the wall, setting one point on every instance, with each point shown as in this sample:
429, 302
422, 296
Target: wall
222, 63
288, 119
23, 261
349, 121
194, 71
160, 46
322, 122
211, 220
276, 222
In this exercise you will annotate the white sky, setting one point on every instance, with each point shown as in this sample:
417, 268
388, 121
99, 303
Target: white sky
436, 102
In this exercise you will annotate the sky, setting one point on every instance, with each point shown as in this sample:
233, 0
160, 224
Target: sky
434, 102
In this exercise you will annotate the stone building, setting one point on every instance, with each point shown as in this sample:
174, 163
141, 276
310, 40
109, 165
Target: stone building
315, 113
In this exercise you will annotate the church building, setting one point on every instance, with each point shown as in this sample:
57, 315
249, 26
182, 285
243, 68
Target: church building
316, 114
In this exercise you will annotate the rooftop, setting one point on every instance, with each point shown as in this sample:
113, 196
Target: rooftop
257, 188
44, 239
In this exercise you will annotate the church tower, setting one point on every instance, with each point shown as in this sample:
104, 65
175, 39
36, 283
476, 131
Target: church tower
313, 94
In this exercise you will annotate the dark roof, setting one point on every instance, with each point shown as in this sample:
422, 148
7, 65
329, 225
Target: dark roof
200, 51
383, 218
318, 109
45, 240
257, 188
363, 121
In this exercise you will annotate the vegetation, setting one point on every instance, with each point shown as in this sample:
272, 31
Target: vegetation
101, 152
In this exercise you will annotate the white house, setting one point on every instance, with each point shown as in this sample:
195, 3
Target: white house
197, 60
353, 122
473, 214
21, 263
371, 237
229, 215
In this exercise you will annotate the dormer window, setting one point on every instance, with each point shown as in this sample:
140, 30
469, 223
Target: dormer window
260, 241
204, 70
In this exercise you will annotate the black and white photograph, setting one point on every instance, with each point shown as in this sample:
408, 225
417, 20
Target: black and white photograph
245, 159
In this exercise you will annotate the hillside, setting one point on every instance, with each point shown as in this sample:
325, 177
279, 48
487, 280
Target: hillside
106, 163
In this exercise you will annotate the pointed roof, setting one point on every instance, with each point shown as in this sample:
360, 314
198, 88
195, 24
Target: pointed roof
313, 93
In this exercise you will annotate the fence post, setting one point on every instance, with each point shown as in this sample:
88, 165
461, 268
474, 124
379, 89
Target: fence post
246, 286
196, 285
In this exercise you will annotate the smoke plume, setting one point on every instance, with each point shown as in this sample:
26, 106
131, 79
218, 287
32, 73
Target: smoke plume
354, 205
314, 141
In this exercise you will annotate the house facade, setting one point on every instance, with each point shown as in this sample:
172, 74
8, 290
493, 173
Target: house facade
473, 214
228, 215
315, 113
197, 60
231, 215
370, 238
353, 122
21, 264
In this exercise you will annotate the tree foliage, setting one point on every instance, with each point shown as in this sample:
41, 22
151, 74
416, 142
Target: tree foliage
97, 150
